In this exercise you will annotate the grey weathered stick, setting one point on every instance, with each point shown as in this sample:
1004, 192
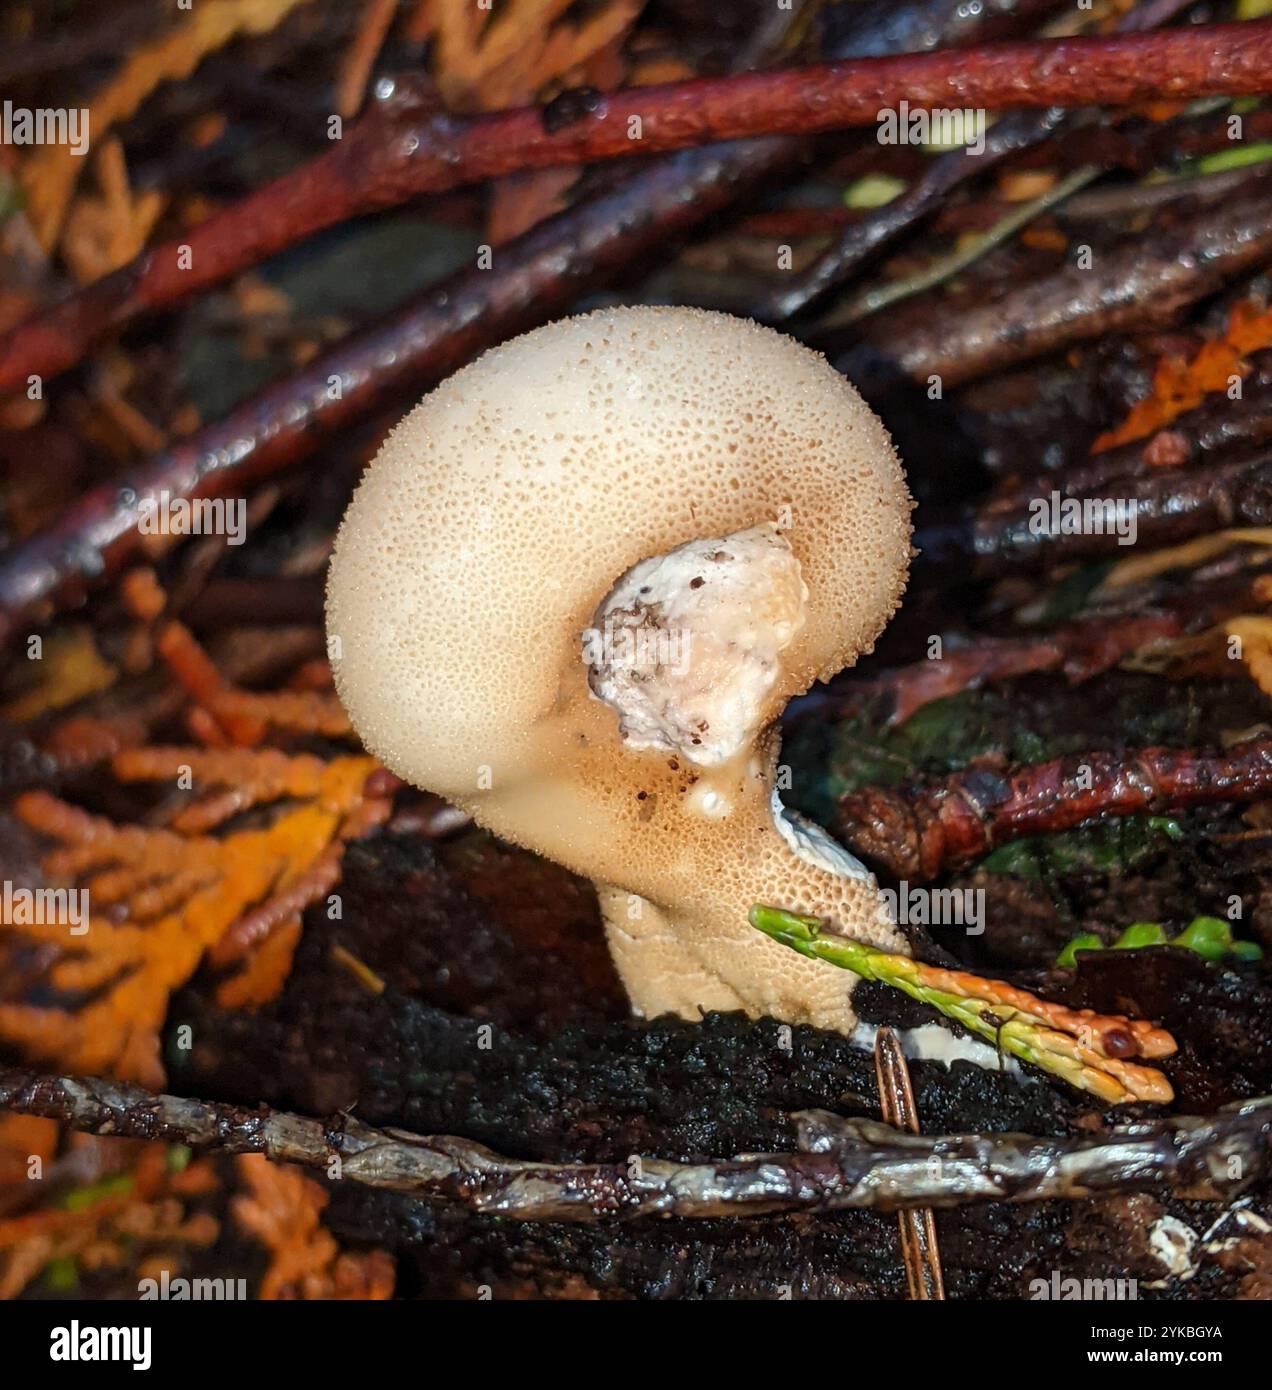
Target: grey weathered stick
842, 1163
1144, 280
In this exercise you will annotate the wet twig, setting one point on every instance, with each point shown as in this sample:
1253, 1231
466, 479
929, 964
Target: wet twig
1172, 505
1008, 138
945, 267
536, 276
863, 240
842, 1163
408, 147
1080, 649
1139, 282
923, 830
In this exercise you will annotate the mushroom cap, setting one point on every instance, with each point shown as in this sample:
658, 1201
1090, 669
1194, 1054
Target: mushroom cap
502, 510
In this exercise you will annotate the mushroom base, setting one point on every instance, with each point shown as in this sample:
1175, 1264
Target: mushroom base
680, 856
706, 957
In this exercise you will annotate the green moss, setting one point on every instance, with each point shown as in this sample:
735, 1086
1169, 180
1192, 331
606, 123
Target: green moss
1105, 847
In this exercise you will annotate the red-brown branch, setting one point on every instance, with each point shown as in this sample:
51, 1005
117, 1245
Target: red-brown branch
408, 147
536, 276
1081, 650
921, 831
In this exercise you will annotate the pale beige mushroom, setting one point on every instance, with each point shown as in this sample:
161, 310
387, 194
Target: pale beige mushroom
573, 593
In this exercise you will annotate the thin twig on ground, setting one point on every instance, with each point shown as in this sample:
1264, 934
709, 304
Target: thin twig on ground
842, 1163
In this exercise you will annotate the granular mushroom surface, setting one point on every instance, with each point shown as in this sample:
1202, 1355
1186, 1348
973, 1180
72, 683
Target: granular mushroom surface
492, 642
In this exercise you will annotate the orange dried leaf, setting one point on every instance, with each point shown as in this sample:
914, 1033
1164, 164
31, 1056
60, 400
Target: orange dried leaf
266, 972
182, 893
245, 716
141, 1220
1253, 635
282, 1208
485, 62
49, 175
24, 1138
1180, 385
142, 594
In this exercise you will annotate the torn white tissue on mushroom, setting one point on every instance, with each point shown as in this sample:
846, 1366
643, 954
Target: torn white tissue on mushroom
685, 646
809, 842
929, 1042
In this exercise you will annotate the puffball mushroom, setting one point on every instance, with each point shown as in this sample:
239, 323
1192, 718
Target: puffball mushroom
573, 593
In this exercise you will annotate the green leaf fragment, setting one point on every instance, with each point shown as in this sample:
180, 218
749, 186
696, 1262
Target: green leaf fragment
177, 1159
873, 191
1084, 941
1104, 846
1210, 937
81, 1198
61, 1275
1239, 157
1141, 934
